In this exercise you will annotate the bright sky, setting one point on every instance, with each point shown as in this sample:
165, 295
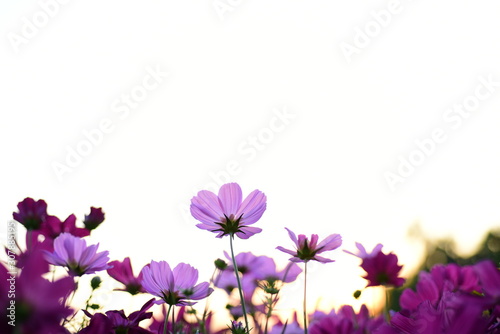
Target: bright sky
354, 118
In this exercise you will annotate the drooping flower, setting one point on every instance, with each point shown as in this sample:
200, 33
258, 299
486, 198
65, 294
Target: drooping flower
94, 218
227, 214
74, 254
122, 272
31, 213
174, 287
307, 250
381, 269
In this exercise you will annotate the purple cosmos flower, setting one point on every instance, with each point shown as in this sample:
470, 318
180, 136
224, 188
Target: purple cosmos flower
94, 219
73, 253
227, 214
31, 213
122, 272
117, 322
53, 227
381, 269
307, 250
174, 287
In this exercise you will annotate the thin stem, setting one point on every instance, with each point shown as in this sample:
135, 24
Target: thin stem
240, 290
305, 295
166, 319
387, 303
173, 319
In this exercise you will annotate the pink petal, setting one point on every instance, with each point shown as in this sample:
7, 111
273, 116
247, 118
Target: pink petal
230, 198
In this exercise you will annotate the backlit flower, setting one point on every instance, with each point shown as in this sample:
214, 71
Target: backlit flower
122, 272
174, 287
31, 213
74, 254
227, 214
94, 218
381, 269
307, 250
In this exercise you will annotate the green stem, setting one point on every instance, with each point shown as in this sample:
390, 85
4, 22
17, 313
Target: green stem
166, 319
305, 295
240, 290
387, 304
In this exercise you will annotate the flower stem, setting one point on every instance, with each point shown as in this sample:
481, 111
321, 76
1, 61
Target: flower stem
387, 304
305, 295
166, 319
240, 290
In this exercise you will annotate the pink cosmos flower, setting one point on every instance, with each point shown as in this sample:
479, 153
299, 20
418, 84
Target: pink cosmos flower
174, 287
53, 227
227, 213
72, 252
122, 272
381, 269
31, 213
94, 218
307, 250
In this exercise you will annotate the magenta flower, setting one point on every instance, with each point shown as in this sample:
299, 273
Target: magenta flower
94, 219
307, 250
53, 227
227, 214
118, 322
381, 269
122, 272
31, 213
174, 287
74, 254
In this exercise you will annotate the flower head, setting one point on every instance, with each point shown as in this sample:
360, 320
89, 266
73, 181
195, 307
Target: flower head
227, 214
307, 250
122, 272
31, 213
53, 227
94, 218
381, 269
174, 287
72, 252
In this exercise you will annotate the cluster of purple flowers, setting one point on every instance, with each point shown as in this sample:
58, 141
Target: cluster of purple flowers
448, 299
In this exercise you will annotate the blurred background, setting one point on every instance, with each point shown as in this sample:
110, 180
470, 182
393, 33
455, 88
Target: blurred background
378, 121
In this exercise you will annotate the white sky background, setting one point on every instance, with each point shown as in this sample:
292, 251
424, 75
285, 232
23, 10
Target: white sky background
323, 172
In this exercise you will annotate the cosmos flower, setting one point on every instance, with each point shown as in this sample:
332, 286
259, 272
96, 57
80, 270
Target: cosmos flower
227, 214
174, 287
53, 227
381, 269
94, 218
74, 254
122, 272
307, 250
118, 322
31, 213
